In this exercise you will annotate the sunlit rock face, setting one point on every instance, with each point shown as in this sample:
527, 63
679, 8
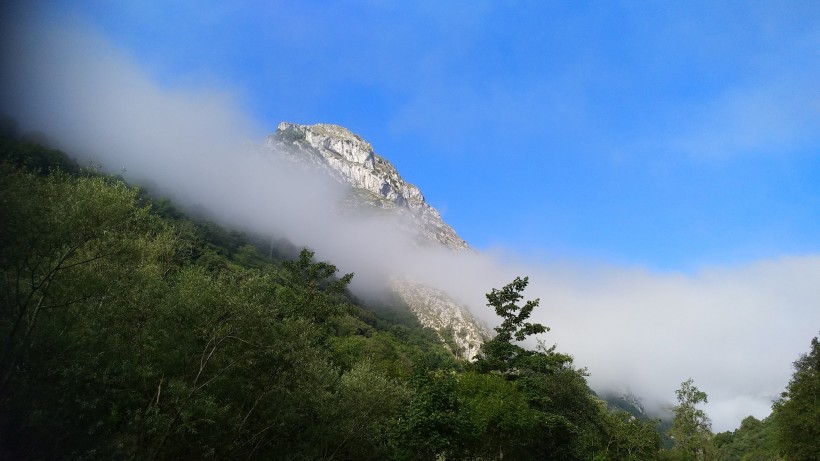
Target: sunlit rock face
453, 322
352, 160
376, 183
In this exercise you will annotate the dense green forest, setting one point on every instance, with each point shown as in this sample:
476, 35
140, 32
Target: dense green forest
132, 331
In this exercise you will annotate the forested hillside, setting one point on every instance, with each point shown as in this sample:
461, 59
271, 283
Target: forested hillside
132, 331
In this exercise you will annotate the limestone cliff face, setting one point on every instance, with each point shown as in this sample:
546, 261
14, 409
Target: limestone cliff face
352, 160
435, 309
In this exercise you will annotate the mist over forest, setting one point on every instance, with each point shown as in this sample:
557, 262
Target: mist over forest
735, 330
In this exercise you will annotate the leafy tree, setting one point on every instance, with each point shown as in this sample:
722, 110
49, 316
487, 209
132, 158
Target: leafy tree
363, 415
58, 233
797, 412
568, 423
691, 427
754, 440
435, 425
500, 353
312, 287
114, 347
501, 419
629, 438
565, 422
75, 250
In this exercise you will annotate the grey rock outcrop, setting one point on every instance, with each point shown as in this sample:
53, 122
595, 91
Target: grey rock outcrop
352, 160
454, 324
376, 183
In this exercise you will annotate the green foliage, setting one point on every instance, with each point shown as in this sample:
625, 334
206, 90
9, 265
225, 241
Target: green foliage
501, 420
67, 240
754, 440
563, 418
514, 324
365, 414
435, 425
629, 438
500, 353
33, 157
797, 412
116, 346
691, 427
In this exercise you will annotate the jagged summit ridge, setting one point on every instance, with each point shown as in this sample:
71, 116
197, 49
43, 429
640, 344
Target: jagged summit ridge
351, 159
337, 139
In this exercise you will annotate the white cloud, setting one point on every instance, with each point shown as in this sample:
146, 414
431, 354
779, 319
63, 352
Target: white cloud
735, 330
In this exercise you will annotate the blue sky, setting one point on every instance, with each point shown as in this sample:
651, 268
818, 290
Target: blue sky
666, 135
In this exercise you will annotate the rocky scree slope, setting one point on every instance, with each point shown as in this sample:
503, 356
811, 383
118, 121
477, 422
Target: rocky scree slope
351, 160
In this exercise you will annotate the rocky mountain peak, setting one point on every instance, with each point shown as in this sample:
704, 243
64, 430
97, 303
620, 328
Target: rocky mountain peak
351, 159
334, 138
375, 182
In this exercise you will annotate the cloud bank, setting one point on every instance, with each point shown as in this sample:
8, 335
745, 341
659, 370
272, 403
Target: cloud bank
735, 330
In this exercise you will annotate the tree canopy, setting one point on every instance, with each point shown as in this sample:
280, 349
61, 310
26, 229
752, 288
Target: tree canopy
797, 412
691, 427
